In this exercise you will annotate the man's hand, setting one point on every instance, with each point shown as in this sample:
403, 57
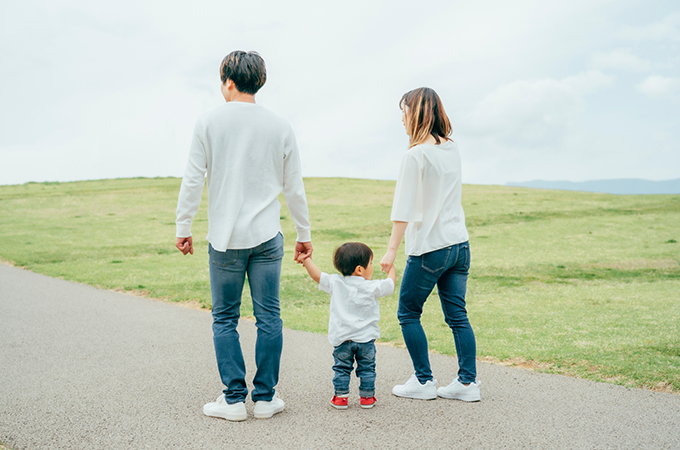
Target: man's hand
302, 249
185, 245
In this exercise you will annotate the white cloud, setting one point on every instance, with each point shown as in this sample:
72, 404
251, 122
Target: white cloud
667, 29
621, 60
527, 112
588, 82
534, 112
94, 90
659, 87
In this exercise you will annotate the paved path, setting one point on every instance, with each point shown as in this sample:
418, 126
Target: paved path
82, 368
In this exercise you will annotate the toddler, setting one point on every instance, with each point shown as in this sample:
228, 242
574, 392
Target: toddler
354, 314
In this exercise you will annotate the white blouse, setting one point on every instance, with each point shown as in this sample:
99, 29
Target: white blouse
428, 197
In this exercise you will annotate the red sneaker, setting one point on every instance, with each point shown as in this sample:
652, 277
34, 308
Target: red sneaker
339, 402
367, 402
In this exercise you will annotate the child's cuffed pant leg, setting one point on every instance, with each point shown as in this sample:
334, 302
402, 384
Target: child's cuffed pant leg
344, 364
365, 357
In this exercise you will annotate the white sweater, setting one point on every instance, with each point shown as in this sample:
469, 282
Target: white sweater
250, 156
428, 197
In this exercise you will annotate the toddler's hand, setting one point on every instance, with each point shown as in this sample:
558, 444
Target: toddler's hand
301, 258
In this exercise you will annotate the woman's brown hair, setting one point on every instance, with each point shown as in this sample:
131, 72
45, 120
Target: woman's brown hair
425, 116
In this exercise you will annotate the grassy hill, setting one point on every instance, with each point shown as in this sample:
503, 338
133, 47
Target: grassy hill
565, 282
624, 186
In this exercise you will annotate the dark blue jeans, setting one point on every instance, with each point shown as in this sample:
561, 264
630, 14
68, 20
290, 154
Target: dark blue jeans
228, 270
448, 269
345, 354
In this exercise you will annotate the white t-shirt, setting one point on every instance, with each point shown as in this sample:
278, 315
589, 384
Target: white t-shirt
250, 157
428, 196
355, 310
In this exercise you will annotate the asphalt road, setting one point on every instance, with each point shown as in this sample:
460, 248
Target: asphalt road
83, 368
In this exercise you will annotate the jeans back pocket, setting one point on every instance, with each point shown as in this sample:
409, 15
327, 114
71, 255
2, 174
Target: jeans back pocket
222, 259
273, 248
466, 249
435, 261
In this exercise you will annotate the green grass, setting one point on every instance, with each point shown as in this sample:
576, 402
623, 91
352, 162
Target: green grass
564, 282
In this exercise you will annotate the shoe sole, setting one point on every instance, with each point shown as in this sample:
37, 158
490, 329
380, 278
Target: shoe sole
463, 399
229, 418
268, 415
368, 406
338, 406
416, 396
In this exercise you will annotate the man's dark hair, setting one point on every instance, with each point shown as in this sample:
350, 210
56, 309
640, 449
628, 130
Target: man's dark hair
245, 69
350, 255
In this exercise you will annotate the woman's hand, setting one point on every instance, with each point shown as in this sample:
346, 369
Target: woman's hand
387, 261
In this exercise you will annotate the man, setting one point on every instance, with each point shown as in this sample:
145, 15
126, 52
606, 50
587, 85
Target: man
250, 156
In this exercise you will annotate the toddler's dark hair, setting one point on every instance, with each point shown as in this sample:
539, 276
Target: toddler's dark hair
350, 255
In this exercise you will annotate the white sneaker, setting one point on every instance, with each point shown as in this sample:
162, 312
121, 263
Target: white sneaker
264, 410
413, 389
235, 412
458, 391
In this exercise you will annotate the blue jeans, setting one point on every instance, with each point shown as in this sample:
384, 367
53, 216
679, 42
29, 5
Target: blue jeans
345, 354
227, 275
448, 269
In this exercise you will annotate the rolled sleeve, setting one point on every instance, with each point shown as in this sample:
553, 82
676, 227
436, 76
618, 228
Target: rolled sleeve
408, 194
386, 287
325, 282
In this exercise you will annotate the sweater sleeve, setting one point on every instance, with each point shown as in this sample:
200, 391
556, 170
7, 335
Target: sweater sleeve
294, 189
192, 183
408, 194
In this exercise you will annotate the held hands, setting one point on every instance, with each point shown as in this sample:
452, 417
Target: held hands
185, 245
301, 259
303, 250
387, 261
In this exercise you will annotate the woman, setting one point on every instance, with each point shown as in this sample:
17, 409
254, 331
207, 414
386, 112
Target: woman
427, 207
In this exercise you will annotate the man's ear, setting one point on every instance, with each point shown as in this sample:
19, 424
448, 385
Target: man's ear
227, 89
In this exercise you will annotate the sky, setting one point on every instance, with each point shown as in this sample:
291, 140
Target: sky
549, 90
